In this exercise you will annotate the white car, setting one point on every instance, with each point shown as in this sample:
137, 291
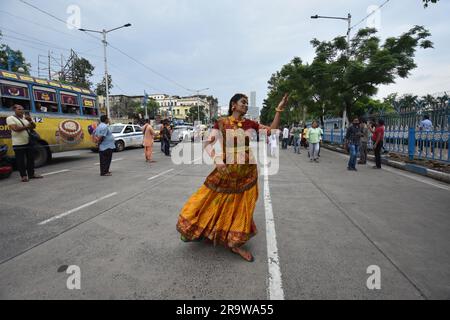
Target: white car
182, 133
127, 135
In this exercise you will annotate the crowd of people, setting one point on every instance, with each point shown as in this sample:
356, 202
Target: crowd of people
356, 141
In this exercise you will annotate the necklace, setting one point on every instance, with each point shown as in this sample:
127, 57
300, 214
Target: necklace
234, 121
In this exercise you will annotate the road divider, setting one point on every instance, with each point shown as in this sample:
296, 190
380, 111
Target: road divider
77, 209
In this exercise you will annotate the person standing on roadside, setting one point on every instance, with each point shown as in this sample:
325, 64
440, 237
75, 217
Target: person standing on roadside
297, 134
363, 142
165, 137
352, 141
20, 125
285, 138
149, 135
106, 145
313, 137
377, 138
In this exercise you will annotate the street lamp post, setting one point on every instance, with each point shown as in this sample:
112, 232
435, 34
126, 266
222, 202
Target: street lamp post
349, 22
105, 43
198, 101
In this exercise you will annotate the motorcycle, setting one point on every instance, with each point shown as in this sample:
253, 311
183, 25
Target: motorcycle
5, 166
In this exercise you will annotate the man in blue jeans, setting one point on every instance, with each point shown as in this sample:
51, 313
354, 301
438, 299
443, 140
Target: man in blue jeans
352, 141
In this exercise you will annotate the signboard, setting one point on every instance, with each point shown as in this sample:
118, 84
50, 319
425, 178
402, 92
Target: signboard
46, 96
69, 99
26, 78
88, 103
5, 132
41, 81
9, 75
14, 91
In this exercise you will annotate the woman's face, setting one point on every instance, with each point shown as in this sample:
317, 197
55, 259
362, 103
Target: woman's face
314, 125
241, 106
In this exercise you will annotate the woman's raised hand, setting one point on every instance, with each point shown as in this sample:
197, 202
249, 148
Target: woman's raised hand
283, 102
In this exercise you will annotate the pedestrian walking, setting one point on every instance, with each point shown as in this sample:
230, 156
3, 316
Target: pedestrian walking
273, 145
285, 138
222, 209
304, 137
297, 132
363, 142
313, 138
21, 126
106, 145
378, 138
148, 140
352, 141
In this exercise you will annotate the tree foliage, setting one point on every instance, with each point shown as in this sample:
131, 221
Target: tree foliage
192, 115
17, 59
82, 71
426, 2
101, 87
343, 75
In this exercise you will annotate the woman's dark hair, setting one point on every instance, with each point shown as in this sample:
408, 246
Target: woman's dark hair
381, 122
103, 118
235, 99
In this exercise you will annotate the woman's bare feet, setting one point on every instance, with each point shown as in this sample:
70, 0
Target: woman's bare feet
244, 254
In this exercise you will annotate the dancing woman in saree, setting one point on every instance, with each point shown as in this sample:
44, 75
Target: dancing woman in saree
222, 209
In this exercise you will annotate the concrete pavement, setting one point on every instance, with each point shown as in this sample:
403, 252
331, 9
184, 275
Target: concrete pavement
330, 224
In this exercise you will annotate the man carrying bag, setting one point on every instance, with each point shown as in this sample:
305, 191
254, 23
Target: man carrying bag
23, 140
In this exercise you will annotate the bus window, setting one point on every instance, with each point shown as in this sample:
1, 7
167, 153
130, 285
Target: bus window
14, 93
89, 108
69, 103
45, 100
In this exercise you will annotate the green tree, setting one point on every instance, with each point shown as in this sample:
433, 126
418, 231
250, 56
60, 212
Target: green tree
100, 90
152, 108
192, 115
18, 60
344, 75
426, 2
82, 71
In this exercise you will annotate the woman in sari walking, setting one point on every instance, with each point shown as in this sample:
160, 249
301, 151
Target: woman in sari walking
222, 209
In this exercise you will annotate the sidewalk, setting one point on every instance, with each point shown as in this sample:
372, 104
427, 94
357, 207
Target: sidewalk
424, 171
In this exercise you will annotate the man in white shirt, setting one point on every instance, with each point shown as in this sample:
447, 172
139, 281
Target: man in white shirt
20, 126
425, 126
285, 138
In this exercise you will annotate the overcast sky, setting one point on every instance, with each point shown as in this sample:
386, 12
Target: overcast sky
228, 46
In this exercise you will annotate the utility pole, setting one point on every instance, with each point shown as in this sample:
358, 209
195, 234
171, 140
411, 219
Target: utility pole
349, 28
105, 43
49, 67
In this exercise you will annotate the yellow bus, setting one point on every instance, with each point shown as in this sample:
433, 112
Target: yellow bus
64, 114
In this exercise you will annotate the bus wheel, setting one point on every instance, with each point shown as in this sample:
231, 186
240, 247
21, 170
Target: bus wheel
120, 146
41, 155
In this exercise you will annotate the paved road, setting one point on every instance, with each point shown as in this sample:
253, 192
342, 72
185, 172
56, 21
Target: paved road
330, 225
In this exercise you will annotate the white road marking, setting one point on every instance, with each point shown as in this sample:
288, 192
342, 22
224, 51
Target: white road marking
76, 209
408, 175
275, 289
162, 173
193, 161
50, 173
96, 164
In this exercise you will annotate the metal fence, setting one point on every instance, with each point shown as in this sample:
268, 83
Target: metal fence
412, 142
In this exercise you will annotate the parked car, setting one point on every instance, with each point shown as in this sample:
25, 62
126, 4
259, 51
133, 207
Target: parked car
182, 133
127, 135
